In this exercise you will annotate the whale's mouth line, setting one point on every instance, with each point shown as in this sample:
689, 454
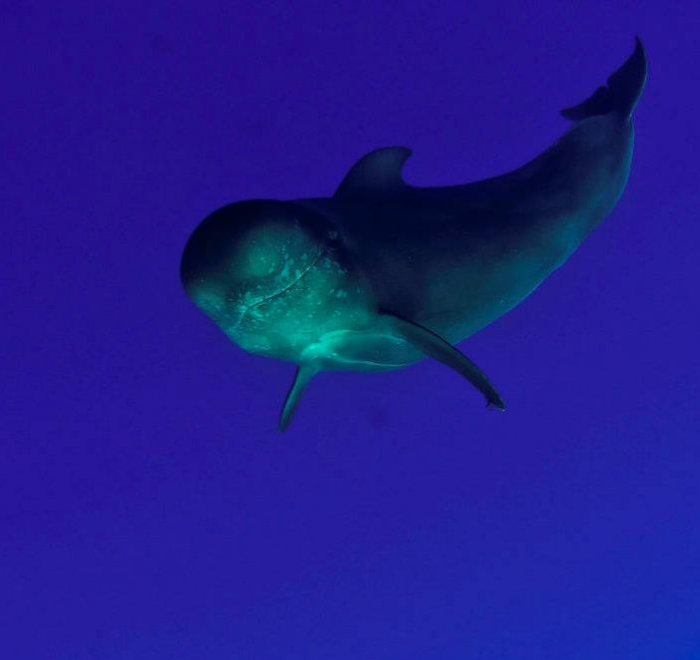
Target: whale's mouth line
283, 290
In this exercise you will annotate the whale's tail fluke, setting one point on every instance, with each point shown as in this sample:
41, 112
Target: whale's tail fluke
620, 95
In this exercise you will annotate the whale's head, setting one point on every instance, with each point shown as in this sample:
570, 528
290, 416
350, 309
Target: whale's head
273, 275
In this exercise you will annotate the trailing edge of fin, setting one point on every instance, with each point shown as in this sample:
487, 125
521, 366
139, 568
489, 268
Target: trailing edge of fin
622, 92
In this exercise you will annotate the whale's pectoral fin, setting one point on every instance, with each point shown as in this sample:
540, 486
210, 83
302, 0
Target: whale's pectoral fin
436, 347
303, 375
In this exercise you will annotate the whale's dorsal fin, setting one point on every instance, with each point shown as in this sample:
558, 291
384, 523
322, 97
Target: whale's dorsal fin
379, 171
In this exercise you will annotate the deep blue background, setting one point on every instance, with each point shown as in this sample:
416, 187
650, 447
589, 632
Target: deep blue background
148, 507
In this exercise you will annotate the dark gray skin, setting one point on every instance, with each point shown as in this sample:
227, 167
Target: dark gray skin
383, 274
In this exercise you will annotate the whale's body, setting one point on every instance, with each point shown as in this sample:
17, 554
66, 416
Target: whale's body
382, 273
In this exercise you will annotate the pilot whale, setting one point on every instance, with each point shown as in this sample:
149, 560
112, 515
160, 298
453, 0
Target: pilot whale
383, 273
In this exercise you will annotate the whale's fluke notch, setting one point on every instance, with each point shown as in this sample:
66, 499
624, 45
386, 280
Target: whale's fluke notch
303, 375
378, 171
622, 92
434, 346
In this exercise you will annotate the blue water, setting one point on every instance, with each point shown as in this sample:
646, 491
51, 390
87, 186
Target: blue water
148, 507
